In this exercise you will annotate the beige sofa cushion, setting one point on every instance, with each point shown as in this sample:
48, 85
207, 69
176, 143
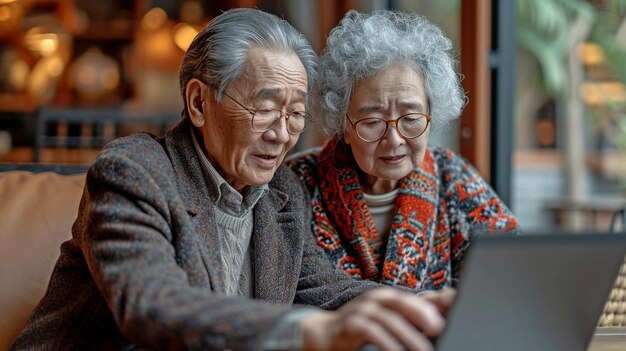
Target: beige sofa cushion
37, 211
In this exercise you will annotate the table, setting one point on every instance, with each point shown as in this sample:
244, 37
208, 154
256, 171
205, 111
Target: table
608, 339
597, 212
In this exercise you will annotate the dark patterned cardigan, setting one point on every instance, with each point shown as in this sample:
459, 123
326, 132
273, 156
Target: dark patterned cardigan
440, 206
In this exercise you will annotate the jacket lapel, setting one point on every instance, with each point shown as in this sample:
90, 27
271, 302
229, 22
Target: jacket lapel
277, 248
194, 193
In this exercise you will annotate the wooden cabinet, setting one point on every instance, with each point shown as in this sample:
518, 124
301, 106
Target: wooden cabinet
41, 41
90, 53
98, 56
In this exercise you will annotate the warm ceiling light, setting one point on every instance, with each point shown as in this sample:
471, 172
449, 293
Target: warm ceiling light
55, 66
602, 93
591, 54
183, 35
5, 13
42, 42
153, 19
48, 44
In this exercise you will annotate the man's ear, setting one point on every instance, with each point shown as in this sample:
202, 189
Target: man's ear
195, 95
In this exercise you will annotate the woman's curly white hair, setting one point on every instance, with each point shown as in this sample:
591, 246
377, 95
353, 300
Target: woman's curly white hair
363, 44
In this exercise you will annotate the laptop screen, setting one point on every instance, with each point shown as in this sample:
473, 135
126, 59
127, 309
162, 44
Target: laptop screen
533, 292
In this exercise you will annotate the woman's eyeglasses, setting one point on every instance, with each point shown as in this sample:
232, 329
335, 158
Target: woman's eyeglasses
372, 129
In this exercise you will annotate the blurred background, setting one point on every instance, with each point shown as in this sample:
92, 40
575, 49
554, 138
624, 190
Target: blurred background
545, 123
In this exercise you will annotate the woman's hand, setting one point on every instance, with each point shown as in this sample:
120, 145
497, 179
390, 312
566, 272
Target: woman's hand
388, 318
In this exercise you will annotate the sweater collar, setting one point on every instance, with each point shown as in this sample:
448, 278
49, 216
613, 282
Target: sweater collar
223, 194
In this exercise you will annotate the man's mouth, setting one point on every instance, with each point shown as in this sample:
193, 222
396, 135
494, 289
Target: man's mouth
267, 157
267, 161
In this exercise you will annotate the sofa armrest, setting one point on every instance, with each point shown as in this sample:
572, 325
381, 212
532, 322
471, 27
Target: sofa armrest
36, 215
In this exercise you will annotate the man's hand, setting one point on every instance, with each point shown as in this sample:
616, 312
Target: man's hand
387, 318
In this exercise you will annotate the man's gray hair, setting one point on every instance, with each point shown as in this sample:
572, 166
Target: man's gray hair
364, 44
218, 54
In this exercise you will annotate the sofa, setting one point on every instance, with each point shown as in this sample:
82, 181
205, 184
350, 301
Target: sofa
37, 211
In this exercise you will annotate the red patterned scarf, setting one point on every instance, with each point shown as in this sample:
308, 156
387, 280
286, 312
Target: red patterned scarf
404, 258
439, 206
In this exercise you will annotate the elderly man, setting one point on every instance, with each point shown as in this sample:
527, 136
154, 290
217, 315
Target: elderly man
200, 239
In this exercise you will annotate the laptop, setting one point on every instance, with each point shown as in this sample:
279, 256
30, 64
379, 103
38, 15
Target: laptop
532, 292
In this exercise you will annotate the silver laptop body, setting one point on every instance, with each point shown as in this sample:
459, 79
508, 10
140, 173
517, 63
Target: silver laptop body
533, 292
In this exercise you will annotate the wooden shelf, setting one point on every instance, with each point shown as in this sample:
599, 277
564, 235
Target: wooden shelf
20, 102
597, 213
112, 36
107, 31
73, 156
538, 157
610, 164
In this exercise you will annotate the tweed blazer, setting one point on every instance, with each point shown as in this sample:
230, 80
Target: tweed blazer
141, 269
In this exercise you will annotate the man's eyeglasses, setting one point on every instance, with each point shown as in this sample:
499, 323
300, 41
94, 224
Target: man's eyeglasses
372, 129
265, 119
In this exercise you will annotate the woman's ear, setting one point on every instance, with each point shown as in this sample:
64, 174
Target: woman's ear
195, 96
346, 138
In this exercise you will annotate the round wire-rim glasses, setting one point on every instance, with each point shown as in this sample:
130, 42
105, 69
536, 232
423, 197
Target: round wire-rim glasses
410, 126
266, 118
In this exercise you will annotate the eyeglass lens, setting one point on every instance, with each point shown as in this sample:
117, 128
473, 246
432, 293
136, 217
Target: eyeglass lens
410, 126
297, 121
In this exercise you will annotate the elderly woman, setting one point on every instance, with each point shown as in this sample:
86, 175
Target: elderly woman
386, 207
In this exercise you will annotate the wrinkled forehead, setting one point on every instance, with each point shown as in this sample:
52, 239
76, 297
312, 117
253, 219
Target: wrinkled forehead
268, 72
396, 81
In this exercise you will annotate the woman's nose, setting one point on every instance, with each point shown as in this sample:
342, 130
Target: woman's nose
392, 135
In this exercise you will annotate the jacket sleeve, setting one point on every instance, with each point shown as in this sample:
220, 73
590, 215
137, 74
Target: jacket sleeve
320, 284
127, 240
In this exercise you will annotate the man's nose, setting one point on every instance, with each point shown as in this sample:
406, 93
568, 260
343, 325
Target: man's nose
279, 133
